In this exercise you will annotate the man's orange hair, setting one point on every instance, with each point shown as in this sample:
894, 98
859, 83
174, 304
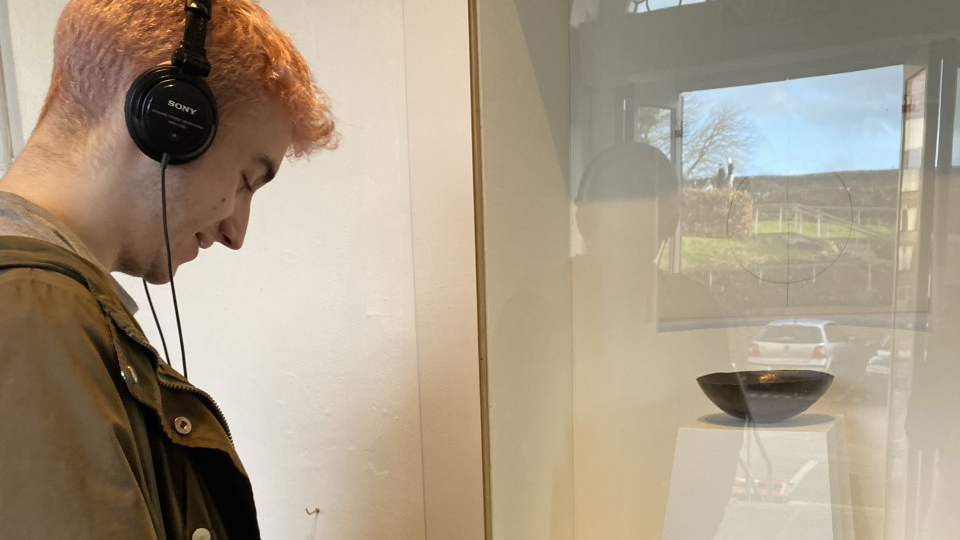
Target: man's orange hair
101, 46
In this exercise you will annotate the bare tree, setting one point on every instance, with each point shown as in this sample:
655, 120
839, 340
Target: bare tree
711, 135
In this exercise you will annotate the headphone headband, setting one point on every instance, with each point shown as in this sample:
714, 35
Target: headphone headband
191, 56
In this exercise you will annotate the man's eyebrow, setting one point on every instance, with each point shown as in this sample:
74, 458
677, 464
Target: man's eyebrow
270, 170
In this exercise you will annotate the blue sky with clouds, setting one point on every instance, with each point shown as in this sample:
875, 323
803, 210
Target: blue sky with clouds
849, 121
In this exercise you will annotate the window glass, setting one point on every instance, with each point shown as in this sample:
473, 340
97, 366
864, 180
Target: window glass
790, 191
673, 190
835, 334
791, 334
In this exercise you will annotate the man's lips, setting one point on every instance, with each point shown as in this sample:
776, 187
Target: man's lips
203, 241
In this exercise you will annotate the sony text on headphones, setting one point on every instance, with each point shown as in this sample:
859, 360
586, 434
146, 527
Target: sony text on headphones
170, 109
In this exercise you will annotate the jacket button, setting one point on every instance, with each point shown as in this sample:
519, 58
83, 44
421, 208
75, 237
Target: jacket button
183, 427
201, 534
129, 374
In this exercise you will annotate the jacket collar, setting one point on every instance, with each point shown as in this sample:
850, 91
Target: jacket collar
29, 252
22, 251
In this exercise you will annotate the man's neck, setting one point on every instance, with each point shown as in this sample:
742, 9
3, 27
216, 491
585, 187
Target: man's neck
71, 195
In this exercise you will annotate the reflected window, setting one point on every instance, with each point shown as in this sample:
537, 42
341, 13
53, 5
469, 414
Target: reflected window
906, 258
644, 6
908, 219
791, 192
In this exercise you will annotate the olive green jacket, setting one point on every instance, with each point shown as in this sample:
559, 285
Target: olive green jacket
99, 437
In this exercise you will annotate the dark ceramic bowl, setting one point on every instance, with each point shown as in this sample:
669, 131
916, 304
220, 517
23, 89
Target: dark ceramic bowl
765, 396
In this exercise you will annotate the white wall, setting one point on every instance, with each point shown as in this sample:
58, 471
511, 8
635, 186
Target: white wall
341, 341
445, 268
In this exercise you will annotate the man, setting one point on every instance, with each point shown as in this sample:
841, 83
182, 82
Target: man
102, 439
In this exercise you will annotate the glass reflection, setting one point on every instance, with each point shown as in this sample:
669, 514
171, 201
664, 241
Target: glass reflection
758, 185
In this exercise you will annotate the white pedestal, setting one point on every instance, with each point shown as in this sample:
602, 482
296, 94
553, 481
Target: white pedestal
783, 481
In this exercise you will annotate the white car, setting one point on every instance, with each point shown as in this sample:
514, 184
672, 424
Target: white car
799, 344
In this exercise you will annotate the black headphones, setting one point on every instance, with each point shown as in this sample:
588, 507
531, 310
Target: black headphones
170, 109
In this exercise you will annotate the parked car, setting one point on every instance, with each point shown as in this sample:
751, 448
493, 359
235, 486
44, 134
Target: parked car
885, 367
800, 344
879, 364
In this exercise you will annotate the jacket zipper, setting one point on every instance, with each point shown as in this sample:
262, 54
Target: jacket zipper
196, 391
180, 386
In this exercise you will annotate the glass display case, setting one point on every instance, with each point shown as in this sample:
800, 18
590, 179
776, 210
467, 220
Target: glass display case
670, 189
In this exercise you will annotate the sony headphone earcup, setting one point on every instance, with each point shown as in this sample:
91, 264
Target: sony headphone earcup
170, 112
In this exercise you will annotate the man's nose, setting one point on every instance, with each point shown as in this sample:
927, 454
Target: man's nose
234, 228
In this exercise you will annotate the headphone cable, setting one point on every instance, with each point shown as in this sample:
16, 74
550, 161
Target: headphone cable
166, 239
166, 353
173, 289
